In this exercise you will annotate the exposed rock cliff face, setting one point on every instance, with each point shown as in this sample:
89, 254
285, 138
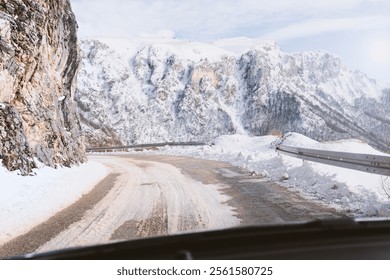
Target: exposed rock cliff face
39, 58
135, 91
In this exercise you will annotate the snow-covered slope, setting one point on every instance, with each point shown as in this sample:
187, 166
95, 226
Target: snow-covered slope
354, 192
145, 90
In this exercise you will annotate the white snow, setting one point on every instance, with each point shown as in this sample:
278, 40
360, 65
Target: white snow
362, 194
239, 45
144, 191
186, 50
28, 201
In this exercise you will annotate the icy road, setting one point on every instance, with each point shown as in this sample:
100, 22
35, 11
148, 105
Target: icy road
151, 195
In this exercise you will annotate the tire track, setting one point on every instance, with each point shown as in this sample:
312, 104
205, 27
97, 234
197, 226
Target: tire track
149, 199
163, 195
39, 235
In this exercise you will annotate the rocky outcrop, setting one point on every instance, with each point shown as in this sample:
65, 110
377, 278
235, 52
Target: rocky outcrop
314, 94
137, 92
39, 58
16, 153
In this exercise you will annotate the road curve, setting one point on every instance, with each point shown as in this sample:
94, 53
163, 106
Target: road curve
150, 195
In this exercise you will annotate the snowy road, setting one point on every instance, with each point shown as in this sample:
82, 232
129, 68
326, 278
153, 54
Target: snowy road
150, 195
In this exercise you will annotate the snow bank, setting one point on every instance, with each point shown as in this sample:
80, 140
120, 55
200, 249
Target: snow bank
28, 201
359, 193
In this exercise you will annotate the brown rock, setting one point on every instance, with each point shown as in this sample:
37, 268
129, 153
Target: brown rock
39, 58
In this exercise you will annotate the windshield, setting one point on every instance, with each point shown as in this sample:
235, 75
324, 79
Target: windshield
122, 120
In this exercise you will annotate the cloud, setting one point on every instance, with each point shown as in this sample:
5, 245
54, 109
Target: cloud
315, 27
205, 20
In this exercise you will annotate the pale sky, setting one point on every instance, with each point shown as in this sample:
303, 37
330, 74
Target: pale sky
357, 31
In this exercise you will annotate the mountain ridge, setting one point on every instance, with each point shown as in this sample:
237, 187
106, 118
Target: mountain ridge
131, 91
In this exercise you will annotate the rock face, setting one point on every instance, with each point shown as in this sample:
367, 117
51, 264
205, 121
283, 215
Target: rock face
39, 58
16, 153
134, 91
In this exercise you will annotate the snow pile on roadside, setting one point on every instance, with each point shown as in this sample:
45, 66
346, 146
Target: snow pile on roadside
30, 200
362, 194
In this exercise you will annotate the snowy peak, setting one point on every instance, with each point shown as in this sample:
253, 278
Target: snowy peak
185, 50
134, 91
240, 45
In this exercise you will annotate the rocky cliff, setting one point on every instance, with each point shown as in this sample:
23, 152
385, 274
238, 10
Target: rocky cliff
39, 58
134, 91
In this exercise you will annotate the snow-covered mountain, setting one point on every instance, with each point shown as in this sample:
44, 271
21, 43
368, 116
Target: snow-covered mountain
145, 90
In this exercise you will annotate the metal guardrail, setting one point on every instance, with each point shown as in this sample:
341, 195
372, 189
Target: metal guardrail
139, 146
376, 164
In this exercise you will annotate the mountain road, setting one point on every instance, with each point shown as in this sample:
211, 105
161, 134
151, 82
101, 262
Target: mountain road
152, 195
